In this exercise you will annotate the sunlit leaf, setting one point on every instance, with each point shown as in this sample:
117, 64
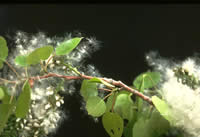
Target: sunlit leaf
97, 80
123, 104
38, 54
23, 101
113, 124
163, 108
67, 46
147, 80
3, 51
1, 94
21, 61
95, 106
88, 89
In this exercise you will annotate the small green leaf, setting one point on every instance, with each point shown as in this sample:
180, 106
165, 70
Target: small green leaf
88, 89
95, 106
5, 111
3, 51
97, 80
42, 53
113, 124
123, 105
7, 98
1, 94
67, 46
147, 80
21, 61
23, 101
163, 108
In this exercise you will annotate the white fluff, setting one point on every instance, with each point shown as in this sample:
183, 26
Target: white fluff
183, 100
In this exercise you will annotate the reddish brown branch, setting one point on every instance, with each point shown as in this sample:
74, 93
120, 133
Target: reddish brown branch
137, 93
111, 81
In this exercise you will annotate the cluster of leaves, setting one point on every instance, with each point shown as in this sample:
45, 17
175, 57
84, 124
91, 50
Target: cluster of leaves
19, 105
122, 113
44, 52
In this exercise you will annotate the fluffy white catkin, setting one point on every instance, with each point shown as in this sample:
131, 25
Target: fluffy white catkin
183, 100
44, 118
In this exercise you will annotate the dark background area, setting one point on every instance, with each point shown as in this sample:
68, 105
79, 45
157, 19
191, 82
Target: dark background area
127, 32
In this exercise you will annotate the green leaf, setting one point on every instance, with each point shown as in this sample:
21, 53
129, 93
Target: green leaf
1, 94
139, 129
123, 105
21, 61
42, 53
7, 98
153, 127
97, 80
23, 101
139, 101
3, 51
67, 46
88, 89
113, 124
158, 124
6, 109
163, 108
95, 106
147, 80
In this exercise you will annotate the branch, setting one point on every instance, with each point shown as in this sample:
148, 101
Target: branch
111, 81
9, 65
7, 81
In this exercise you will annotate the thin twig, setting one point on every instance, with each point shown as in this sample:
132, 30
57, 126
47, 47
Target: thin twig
9, 65
72, 69
42, 65
48, 62
26, 71
8, 81
113, 103
107, 95
105, 89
